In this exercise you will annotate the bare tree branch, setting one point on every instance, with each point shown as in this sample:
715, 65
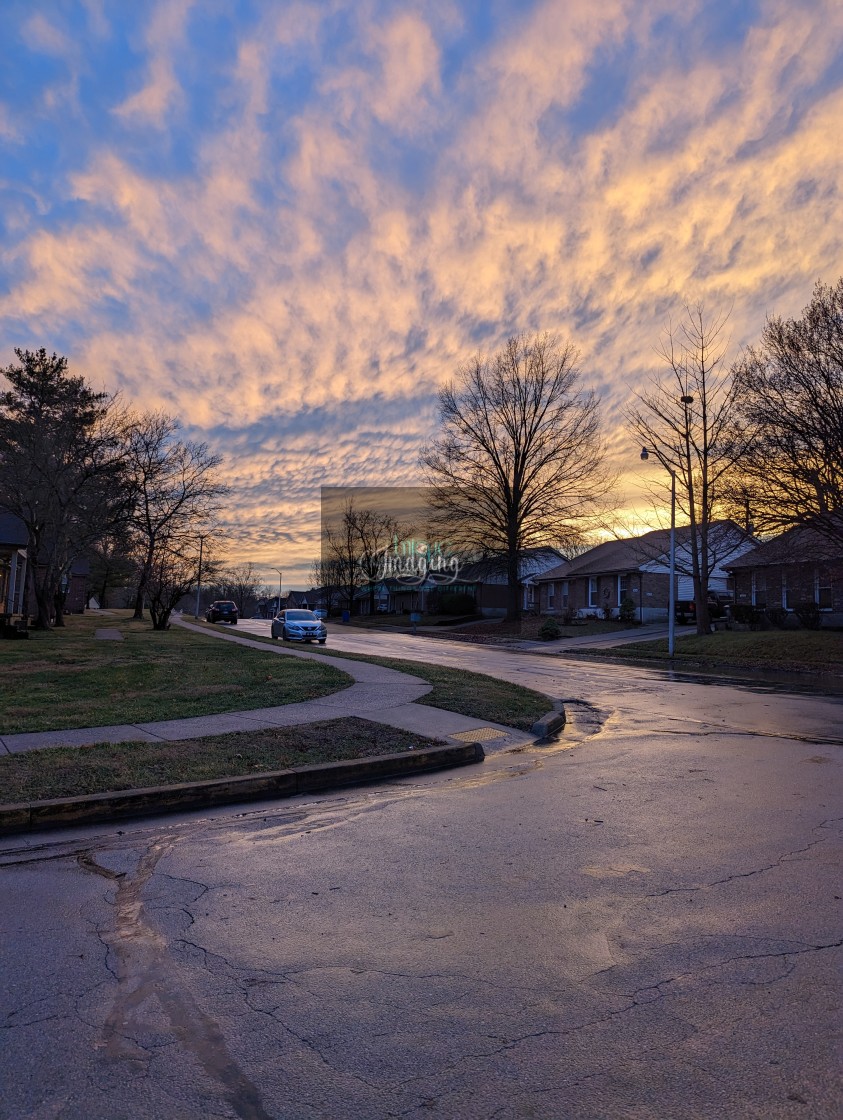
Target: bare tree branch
790, 401
520, 461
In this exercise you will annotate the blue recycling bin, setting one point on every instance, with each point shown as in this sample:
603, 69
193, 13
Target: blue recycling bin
346, 616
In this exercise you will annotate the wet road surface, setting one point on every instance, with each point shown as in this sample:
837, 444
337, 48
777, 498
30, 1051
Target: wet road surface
640, 921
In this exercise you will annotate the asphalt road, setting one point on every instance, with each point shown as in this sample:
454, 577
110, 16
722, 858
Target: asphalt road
642, 921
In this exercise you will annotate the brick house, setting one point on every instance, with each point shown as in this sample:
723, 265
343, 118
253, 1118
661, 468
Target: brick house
637, 568
799, 566
484, 581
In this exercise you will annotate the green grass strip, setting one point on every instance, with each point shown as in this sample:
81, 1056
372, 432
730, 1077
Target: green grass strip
106, 767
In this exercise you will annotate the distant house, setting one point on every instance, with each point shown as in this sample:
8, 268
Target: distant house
484, 581
799, 566
638, 568
302, 599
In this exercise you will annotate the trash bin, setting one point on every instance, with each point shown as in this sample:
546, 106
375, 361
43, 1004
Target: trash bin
346, 616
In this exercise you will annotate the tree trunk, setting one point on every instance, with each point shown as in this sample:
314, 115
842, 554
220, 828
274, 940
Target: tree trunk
58, 607
513, 610
142, 583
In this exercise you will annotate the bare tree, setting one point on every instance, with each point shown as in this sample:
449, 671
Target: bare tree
327, 575
178, 493
789, 396
686, 420
520, 461
354, 546
242, 584
171, 575
339, 551
112, 565
374, 532
60, 469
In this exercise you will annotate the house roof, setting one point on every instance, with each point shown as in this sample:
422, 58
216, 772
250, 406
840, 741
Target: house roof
12, 530
800, 545
615, 556
642, 553
492, 569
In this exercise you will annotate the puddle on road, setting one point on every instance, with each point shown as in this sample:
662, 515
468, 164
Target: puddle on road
148, 986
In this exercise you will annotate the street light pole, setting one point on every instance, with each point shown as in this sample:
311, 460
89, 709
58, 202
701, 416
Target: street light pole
199, 579
671, 598
278, 570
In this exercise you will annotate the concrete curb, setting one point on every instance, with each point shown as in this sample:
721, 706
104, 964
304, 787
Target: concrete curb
98, 807
549, 724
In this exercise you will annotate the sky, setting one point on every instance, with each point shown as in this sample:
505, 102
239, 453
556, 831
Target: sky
289, 223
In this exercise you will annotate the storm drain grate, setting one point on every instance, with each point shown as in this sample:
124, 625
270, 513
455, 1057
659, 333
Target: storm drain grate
479, 734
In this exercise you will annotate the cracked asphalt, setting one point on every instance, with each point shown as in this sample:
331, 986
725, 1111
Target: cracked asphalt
640, 921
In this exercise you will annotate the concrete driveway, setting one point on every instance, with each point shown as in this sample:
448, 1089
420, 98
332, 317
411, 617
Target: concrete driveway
643, 921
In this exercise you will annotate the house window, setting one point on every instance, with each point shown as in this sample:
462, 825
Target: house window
822, 589
786, 593
622, 592
592, 591
564, 593
551, 593
759, 589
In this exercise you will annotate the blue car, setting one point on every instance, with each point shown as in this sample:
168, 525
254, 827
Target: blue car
299, 626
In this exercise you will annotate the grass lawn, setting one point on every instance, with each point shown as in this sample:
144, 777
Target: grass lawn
784, 650
500, 632
456, 690
390, 621
474, 694
106, 767
69, 678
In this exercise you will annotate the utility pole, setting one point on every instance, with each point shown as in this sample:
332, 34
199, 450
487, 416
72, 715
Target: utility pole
199, 579
278, 570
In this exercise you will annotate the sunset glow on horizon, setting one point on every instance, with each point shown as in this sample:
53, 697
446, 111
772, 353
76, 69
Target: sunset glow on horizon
289, 224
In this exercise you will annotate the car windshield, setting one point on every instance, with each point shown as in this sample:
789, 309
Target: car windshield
301, 616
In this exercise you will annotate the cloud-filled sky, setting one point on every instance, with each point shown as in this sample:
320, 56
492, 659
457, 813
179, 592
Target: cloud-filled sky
289, 223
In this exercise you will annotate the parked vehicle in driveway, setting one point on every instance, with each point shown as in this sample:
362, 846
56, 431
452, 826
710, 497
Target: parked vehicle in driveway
320, 613
686, 609
299, 626
223, 610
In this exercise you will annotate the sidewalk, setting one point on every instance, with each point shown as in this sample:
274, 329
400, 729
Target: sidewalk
648, 633
378, 694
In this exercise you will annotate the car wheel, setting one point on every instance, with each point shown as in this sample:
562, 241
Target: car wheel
234, 622
284, 634
322, 641
273, 635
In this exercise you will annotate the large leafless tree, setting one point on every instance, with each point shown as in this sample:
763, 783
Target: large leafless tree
519, 461
685, 419
178, 495
789, 396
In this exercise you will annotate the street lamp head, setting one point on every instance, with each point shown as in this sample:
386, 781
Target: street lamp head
645, 454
